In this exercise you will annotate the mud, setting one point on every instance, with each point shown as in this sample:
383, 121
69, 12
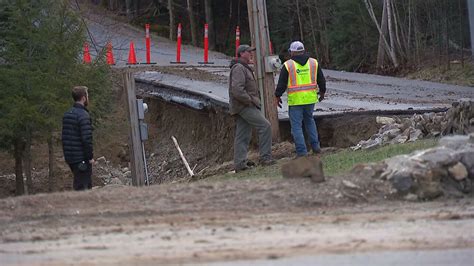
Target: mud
224, 221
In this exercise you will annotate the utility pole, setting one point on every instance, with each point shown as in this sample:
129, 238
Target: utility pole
137, 156
470, 8
260, 36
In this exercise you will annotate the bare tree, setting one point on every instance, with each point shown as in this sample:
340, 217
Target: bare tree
210, 22
381, 49
172, 20
192, 22
300, 24
389, 48
128, 9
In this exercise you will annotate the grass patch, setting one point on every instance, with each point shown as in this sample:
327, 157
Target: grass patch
456, 75
343, 161
335, 163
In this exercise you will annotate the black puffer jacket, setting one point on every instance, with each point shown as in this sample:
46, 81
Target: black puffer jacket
77, 135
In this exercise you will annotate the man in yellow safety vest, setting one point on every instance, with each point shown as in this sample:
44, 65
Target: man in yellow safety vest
303, 78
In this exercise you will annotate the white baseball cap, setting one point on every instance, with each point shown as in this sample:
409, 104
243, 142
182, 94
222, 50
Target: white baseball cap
296, 46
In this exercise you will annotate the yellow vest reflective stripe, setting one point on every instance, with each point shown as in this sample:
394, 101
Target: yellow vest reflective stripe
302, 82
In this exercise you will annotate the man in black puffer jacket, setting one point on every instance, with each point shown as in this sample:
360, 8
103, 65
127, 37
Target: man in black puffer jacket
77, 139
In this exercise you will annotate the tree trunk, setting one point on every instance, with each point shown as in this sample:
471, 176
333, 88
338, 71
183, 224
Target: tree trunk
18, 154
192, 22
210, 22
299, 20
390, 28
388, 49
27, 165
381, 50
324, 38
51, 178
172, 21
460, 32
112, 5
313, 33
137, 8
128, 8
446, 25
470, 10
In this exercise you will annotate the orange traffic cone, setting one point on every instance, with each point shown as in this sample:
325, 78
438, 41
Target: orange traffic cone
132, 59
110, 55
87, 55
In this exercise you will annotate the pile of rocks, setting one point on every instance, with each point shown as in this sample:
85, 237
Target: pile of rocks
445, 169
459, 119
110, 175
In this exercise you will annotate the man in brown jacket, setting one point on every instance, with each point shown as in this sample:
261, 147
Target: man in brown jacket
244, 100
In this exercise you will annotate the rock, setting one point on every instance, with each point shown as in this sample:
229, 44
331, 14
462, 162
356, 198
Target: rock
454, 142
125, 169
402, 181
467, 159
384, 120
440, 156
399, 139
128, 174
429, 191
415, 135
392, 133
411, 197
349, 184
388, 127
101, 160
115, 181
372, 170
406, 123
373, 143
305, 166
458, 171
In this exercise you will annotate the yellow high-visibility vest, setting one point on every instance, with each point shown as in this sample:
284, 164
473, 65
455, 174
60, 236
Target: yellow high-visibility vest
302, 82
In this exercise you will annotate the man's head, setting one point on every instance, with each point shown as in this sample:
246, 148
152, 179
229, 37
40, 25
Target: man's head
244, 51
80, 95
296, 48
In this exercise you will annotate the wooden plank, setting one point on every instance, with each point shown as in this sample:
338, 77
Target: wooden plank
137, 161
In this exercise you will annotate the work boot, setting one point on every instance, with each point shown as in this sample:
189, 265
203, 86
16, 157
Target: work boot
245, 165
241, 168
251, 163
267, 162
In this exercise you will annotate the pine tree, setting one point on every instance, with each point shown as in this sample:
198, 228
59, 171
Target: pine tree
39, 63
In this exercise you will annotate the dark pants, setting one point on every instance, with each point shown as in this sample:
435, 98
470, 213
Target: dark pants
246, 119
82, 178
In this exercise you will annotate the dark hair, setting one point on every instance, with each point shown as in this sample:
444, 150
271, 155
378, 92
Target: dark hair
78, 92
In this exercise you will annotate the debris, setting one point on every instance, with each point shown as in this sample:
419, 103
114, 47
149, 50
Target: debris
182, 156
349, 184
459, 119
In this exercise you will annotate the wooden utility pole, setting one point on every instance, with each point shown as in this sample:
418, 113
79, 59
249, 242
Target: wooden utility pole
137, 159
258, 22
470, 8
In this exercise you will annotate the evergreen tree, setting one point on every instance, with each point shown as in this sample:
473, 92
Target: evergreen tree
40, 62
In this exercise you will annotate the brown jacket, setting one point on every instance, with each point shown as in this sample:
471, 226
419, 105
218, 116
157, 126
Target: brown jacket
243, 90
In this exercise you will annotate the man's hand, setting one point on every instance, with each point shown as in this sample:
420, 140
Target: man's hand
278, 101
91, 161
321, 97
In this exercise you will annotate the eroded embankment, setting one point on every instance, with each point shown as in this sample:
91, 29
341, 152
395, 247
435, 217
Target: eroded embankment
205, 130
